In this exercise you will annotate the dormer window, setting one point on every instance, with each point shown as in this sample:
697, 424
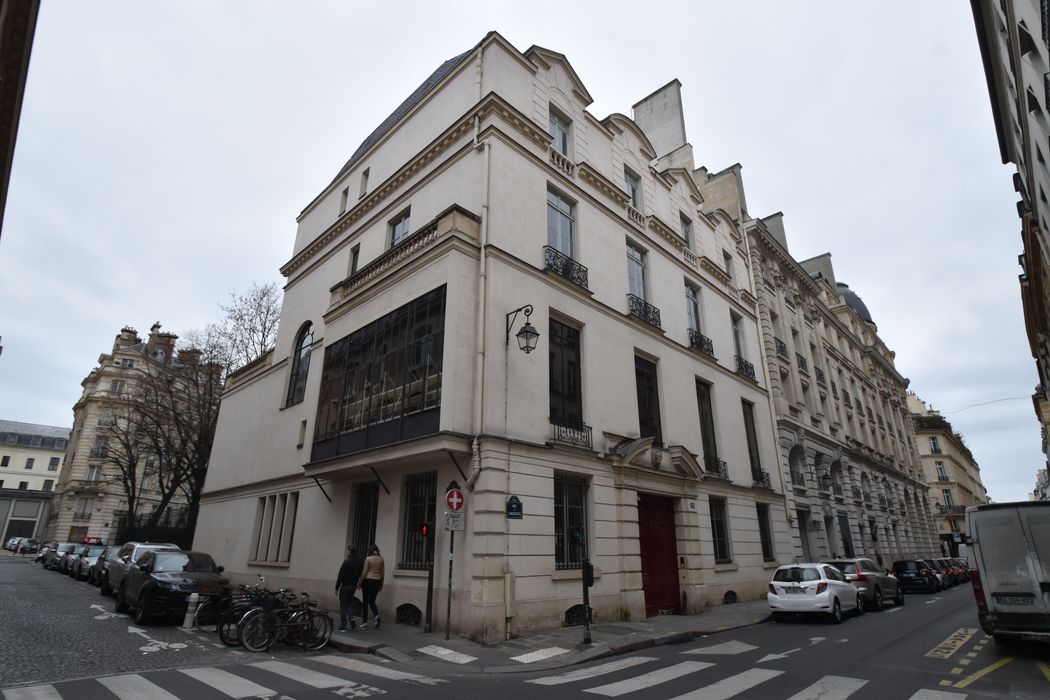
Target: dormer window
559, 127
633, 186
399, 229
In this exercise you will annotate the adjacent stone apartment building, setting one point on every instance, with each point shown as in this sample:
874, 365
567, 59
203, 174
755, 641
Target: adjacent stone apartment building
30, 459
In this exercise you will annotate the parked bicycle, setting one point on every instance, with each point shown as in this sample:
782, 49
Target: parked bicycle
281, 618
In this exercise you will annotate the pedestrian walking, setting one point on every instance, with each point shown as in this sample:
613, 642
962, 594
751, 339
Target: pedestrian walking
346, 585
371, 584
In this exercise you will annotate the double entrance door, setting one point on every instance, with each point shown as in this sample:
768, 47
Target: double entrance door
656, 535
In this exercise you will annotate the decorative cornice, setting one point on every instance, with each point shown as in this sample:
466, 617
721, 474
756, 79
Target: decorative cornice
709, 265
602, 184
658, 226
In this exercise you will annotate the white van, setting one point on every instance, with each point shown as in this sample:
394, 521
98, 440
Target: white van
1009, 559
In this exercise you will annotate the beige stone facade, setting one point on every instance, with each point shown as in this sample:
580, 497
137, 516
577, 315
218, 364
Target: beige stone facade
951, 471
641, 421
89, 500
30, 460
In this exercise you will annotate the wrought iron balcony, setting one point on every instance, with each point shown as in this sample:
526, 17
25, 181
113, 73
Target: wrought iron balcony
744, 367
798, 479
644, 310
97, 452
561, 264
803, 366
699, 341
569, 433
953, 509
847, 400
713, 465
761, 479
820, 376
824, 483
942, 477
857, 493
867, 497
836, 489
782, 349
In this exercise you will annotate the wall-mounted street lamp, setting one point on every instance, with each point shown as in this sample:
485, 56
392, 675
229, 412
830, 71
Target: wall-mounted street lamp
528, 335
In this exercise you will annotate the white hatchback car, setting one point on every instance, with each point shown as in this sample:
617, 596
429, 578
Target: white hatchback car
812, 588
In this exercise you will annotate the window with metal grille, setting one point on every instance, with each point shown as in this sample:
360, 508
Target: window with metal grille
366, 507
570, 520
274, 527
420, 504
720, 530
764, 532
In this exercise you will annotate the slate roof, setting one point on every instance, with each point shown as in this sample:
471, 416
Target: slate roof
411, 101
854, 302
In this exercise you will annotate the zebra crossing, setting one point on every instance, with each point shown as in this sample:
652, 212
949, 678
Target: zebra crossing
345, 675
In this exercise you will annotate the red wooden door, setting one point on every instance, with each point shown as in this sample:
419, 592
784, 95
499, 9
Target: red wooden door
656, 536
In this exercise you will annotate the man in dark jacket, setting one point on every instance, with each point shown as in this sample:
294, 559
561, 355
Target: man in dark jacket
346, 584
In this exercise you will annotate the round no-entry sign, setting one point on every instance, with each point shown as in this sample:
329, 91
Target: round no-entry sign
454, 500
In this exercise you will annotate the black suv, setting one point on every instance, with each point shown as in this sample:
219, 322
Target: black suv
127, 556
916, 575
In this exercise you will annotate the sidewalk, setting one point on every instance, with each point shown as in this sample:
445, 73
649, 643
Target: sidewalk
550, 649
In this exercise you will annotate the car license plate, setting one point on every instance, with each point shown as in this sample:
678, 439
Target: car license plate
794, 590
1017, 599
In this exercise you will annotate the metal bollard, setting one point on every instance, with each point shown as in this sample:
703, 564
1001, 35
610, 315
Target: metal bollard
191, 608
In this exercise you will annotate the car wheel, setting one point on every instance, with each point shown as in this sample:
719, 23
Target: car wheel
860, 605
836, 613
120, 605
103, 586
899, 598
140, 611
778, 617
877, 603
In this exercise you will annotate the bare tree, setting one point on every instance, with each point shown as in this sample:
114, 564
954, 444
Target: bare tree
248, 328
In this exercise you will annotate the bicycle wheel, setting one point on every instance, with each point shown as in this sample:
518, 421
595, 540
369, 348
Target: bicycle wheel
228, 624
206, 618
320, 631
256, 630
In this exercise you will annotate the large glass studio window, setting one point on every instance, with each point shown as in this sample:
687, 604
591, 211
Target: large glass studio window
300, 365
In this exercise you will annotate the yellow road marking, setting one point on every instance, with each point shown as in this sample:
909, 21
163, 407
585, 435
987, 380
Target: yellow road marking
983, 672
1044, 668
953, 643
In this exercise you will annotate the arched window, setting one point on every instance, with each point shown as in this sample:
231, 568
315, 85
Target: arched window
300, 365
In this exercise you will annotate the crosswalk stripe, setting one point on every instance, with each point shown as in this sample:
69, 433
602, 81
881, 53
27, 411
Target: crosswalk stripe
733, 685
539, 655
447, 654
227, 683
302, 675
925, 694
135, 687
33, 692
593, 671
350, 664
648, 680
830, 688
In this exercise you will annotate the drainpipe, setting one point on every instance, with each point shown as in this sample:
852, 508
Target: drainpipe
482, 294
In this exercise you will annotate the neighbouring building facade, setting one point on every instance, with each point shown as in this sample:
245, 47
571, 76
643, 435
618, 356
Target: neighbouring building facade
90, 500
844, 436
638, 434
950, 470
30, 460
1042, 486
1014, 38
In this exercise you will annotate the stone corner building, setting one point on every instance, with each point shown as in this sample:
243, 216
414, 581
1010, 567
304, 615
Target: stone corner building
89, 500
30, 458
640, 429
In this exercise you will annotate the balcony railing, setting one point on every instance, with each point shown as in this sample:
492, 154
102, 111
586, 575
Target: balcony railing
942, 477
644, 310
82, 515
820, 376
699, 341
803, 366
97, 452
836, 489
744, 367
561, 264
636, 216
857, 493
761, 479
798, 479
713, 465
824, 483
567, 433
951, 509
558, 160
867, 497
782, 349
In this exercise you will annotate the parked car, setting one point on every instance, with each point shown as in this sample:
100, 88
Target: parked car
958, 572
12, 543
41, 553
875, 583
812, 588
53, 560
98, 571
29, 546
916, 575
70, 559
949, 571
964, 568
942, 576
126, 558
160, 582
86, 558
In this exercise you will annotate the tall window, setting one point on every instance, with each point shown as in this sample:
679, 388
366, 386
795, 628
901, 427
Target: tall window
363, 190
636, 271
5, 460
399, 228
355, 258
707, 420
727, 259
420, 499
83, 508
94, 472
692, 306
949, 501
300, 365
565, 395
738, 334
686, 228
116, 387
343, 197
366, 509
274, 527
935, 446
48, 484
559, 125
764, 532
942, 473
107, 418
23, 485
570, 520
30, 461
648, 399
633, 185
561, 223
752, 439
720, 530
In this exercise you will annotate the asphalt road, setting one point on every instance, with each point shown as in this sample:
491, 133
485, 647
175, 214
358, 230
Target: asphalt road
929, 649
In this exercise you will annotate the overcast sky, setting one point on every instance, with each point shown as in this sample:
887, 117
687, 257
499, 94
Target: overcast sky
165, 150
